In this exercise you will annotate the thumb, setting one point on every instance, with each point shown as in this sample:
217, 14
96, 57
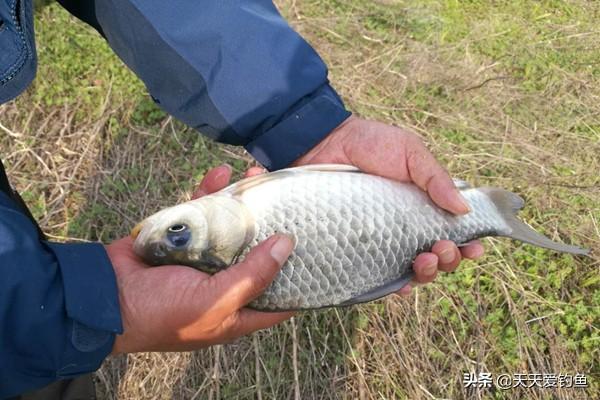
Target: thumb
245, 281
427, 173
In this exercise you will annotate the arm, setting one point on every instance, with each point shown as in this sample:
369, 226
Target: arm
59, 309
234, 70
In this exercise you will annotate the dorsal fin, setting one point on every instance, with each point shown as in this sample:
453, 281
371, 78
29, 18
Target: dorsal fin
324, 168
247, 183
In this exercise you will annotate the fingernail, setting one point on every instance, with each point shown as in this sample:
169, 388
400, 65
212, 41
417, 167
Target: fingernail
479, 252
282, 248
429, 269
446, 256
222, 169
405, 291
465, 207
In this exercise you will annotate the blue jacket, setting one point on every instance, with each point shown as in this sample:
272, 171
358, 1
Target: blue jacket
234, 70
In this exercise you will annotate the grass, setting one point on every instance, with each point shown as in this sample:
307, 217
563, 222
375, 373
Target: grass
505, 93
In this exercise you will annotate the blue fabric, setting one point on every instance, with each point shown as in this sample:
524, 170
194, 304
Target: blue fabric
59, 309
234, 70
17, 48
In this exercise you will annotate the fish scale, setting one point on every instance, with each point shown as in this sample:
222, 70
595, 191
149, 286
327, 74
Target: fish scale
351, 225
356, 234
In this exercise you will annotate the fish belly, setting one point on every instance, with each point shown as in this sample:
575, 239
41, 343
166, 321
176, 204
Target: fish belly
354, 233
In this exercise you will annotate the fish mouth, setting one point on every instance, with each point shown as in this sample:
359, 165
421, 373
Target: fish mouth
157, 252
154, 254
136, 231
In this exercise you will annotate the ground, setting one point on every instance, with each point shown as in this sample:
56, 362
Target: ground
505, 93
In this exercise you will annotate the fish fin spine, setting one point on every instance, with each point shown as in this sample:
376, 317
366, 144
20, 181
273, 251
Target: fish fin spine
461, 185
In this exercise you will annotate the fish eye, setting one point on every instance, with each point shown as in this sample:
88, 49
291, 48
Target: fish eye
177, 228
179, 235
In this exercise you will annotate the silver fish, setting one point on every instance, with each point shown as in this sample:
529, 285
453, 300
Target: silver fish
356, 234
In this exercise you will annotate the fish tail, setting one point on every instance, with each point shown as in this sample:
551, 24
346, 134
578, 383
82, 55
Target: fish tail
508, 204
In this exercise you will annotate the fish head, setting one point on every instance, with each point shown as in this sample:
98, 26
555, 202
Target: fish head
175, 235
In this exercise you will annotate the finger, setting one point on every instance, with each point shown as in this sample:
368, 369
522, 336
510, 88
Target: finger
425, 267
472, 250
428, 174
253, 171
214, 180
448, 255
246, 321
405, 291
236, 286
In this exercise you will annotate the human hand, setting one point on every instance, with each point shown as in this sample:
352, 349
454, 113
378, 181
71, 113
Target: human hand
394, 153
176, 308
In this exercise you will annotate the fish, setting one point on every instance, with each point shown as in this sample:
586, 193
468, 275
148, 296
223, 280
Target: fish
356, 234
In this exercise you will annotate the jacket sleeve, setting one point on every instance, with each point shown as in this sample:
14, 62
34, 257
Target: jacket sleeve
234, 70
59, 309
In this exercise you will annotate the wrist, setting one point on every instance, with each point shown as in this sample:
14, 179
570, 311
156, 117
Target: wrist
332, 148
120, 255
301, 128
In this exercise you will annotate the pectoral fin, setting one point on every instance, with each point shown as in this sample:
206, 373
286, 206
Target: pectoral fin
210, 263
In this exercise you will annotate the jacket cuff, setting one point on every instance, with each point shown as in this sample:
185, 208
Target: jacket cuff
301, 130
92, 305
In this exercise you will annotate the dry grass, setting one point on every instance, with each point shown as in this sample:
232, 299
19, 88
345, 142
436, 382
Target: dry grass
503, 98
